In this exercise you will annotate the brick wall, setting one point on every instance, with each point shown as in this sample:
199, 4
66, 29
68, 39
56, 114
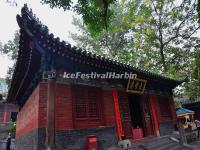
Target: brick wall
33, 140
64, 112
43, 105
33, 113
63, 107
66, 135
77, 139
27, 118
32, 120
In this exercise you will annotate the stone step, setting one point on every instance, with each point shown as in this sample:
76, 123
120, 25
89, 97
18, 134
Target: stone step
177, 147
167, 146
163, 143
153, 146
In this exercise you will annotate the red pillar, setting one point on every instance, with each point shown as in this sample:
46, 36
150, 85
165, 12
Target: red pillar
4, 118
154, 115
117, 113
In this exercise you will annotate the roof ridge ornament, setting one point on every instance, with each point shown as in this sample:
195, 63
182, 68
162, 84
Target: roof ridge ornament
28, 13
29, 21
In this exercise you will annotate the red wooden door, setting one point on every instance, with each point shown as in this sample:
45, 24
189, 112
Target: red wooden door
147, 121
125, 114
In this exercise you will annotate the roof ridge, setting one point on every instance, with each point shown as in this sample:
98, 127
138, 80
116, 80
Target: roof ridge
27, 13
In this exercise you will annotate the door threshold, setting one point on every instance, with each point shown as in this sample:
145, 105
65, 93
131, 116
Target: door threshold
142, 139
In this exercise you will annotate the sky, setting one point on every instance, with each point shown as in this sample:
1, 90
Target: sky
58, 21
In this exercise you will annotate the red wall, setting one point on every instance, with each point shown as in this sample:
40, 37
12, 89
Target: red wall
63, 107
172, 112
42, 105
64, 112
27, 118
172, 107
33, 114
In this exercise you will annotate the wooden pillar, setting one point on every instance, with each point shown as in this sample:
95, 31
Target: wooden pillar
5, 114
50, 130
4, 117
117, 113
154, 115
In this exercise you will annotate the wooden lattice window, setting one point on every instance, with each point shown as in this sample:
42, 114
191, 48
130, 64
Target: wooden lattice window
87, 103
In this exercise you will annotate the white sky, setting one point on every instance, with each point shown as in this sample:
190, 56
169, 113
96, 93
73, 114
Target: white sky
58, 22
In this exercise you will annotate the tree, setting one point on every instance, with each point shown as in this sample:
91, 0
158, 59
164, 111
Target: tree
193, 87
95, 13
160, 34
117, 41
11, 50
168, 35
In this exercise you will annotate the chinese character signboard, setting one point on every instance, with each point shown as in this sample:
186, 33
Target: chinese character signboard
136, 86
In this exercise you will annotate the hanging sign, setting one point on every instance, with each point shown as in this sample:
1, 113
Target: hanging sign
136, 85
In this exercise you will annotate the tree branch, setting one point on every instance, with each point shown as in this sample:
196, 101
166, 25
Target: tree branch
179, 27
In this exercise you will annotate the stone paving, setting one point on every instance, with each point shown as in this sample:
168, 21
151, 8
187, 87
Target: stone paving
3, 144
195, 144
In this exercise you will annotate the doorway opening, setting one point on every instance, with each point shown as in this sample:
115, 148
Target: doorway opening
135, 111
141, 118
136, 116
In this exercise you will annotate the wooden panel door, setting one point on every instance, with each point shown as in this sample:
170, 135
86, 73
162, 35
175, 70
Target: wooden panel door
147, 121
125, 114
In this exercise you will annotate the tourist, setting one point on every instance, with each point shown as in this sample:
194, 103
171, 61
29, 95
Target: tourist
8, 142
198, 126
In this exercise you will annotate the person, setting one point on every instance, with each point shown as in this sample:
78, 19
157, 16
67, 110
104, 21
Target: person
8, 142
198, 126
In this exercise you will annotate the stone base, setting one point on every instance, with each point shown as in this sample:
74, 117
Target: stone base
68, 140
34, 140
77, 139
167, 127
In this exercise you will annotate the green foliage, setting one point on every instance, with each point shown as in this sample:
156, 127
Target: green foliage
167, 35
65, 4
156, 35
177, 104
193, 87
13, 128
11, 50
95, 13
159, 36
116, 41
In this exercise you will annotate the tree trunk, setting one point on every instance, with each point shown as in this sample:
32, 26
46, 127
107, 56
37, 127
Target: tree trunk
163, 58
